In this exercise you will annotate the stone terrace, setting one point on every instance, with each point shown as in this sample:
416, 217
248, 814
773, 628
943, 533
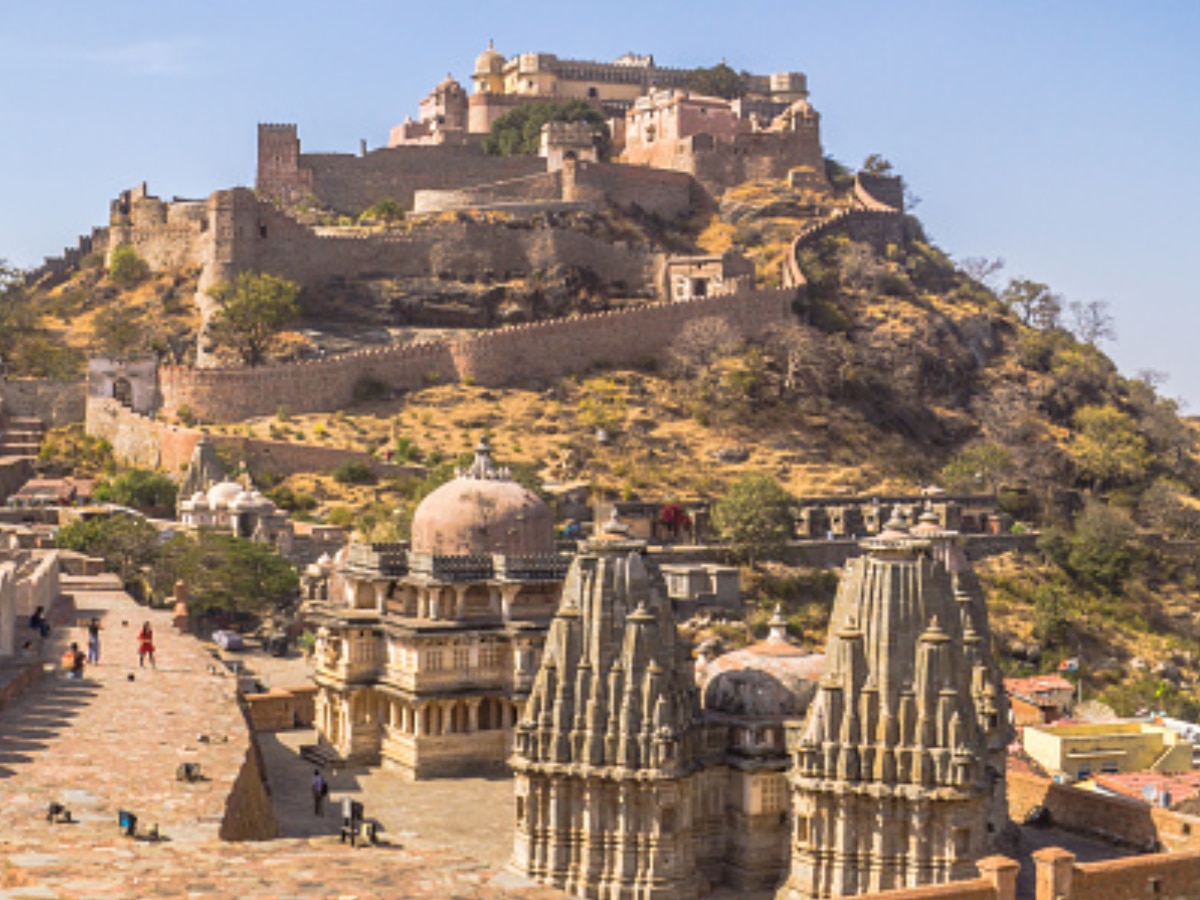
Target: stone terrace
108, 742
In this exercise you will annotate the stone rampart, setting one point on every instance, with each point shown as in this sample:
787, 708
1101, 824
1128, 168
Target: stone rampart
876, 226
54, 270
249, 813
56, 403
1169, 876
280, 709
518, 355
545, 187
167, 235
656, 191
261, 238
540, 351
349, 184
147, 443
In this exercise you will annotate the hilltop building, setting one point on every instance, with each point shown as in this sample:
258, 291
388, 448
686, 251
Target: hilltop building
899, 775
425, 654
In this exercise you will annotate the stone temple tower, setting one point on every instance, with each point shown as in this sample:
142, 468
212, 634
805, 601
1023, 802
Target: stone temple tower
605, 760
898, 776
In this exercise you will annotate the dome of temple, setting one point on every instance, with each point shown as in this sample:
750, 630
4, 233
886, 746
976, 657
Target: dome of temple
223, 494
483, 511
771, 679
489, 62
447, 84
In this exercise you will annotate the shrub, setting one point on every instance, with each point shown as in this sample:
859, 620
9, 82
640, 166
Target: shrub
368, 389
354, 472
125, 267
185, 415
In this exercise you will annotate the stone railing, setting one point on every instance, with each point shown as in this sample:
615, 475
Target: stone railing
388, 560
542, 567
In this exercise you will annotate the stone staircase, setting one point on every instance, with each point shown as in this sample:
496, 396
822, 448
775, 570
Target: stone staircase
21, 436
321, 755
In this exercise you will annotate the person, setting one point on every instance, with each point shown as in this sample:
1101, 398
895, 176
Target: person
93, 654
320, 790
145, 640
72, 661
38, 621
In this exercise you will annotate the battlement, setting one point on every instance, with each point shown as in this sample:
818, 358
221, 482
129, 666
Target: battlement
520, 354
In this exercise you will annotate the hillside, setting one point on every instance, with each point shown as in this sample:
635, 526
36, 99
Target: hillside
900, 371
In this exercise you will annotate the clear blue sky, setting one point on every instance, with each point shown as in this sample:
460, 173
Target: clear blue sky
1061, 136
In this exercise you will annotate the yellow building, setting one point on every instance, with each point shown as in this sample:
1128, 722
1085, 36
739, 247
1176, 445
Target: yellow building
1079, 751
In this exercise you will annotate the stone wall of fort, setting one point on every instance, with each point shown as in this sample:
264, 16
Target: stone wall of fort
14, 472
545, 187
54, 270
349, 184
521, 354
656, 191
56, 403
255, 236
148, 443
249, 813
167, 235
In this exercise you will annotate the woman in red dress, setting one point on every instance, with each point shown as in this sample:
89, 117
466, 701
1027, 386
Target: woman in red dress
145, 640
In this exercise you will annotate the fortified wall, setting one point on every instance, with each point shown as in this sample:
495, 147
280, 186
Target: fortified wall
167, 235
141, 441
349, 184
509, 356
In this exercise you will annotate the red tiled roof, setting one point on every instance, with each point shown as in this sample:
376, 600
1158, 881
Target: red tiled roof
1131, 784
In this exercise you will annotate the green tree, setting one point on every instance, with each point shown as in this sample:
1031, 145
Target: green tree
1104, 547
717, 81
875, 164
1108, 449
117, 331
125, 267
17, 317
387, 211
253, 309
126, 543
755, 516
224, 572
1033, 302
140, 488
979, 466
1051, 618
519, 132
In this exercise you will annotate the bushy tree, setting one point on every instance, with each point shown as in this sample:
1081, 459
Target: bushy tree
125, 267
126, 543
117, 331
224, 572
1108, 449
717, 81
1034, 303
755, 517
875, 164
979, 466
1104, 547
140, 488
252, 310
519, 132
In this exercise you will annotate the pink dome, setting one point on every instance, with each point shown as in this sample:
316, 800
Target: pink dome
483, 511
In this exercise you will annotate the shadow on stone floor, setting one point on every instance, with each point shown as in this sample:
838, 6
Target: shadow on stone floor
39, 717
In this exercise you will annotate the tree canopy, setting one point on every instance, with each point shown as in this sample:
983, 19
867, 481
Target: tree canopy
519, 132
755, 516
140, 488
253, 309
717, 81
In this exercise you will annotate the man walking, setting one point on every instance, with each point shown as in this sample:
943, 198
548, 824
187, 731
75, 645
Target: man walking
320, 790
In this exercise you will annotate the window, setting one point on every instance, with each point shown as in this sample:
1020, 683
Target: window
433, 660
462, 657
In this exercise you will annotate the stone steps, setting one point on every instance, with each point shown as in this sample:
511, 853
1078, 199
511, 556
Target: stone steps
21, 436
321, 756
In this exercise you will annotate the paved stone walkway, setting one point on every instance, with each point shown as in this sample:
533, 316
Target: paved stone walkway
107, 743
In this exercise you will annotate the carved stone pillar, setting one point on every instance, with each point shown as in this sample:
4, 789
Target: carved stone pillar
473, 715
460, 601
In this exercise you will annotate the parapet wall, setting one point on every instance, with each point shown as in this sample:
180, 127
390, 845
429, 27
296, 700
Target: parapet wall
261, 238
54, 270
509, 356
148, 443
56, 403
349, 184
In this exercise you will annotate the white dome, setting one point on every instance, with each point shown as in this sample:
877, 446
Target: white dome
221, 495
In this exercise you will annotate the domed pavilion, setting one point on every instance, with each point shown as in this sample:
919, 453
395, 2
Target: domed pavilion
426, 651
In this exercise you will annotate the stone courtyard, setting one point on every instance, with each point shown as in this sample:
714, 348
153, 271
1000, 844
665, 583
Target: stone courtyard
109, 742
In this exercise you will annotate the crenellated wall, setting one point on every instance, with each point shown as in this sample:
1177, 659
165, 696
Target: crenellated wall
518, 355
148, 443
56, 403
